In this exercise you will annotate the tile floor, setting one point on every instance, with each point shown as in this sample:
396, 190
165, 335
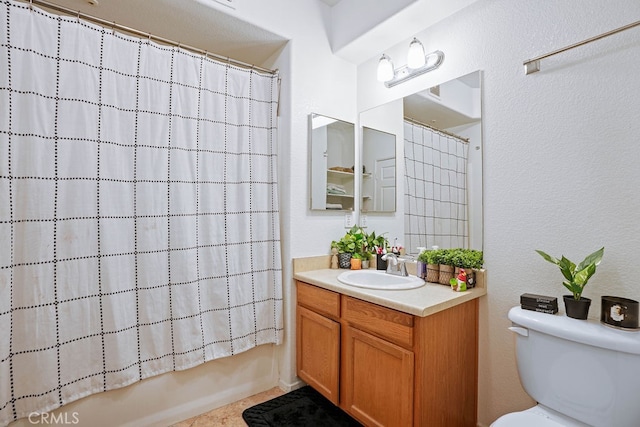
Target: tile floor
231, 414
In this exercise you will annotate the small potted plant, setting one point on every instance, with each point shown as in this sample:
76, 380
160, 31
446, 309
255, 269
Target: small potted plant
432, 260
377, 245
468, 260
366, 259
446, 267
576, 278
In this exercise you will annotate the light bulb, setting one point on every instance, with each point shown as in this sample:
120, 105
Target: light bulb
385, 69
415, 57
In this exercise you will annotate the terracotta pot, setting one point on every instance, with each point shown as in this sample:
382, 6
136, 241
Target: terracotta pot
577, 309
433, 273
446, 274
356, 263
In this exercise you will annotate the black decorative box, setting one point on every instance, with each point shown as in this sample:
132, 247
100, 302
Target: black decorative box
539, 303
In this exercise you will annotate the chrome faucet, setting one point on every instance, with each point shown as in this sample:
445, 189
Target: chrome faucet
395, 266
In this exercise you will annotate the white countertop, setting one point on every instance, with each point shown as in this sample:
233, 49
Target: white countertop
428, 299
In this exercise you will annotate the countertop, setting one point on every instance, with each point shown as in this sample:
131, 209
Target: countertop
424, 301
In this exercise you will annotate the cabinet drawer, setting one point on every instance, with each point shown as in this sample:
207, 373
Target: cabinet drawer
386, 323
318, 299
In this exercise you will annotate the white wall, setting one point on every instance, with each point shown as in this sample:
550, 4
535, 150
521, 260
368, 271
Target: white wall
560, 155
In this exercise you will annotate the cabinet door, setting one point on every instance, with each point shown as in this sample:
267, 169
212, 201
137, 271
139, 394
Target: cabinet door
318, 352
377, 380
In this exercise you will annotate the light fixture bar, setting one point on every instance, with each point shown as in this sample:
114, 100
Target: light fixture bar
433, 61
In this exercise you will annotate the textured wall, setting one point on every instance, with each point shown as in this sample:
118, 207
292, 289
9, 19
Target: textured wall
560, 155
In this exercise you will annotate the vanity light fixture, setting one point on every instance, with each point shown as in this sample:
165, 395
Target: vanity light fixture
417, 63
385, 69
415, 56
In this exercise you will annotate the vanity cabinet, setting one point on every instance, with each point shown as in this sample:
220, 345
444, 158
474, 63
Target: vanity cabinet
318, 340
385, 367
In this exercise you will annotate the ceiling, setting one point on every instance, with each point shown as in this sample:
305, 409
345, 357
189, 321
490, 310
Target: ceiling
189, 22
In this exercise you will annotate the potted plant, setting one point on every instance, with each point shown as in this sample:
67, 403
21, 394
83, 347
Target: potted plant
446, 267
576, 278
431, 258
468, 260
366, 259
377, 245
352, 243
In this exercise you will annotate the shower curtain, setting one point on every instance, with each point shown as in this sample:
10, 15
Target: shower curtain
435, 188
139, 225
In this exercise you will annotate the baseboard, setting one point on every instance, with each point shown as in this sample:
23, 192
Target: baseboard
287, 387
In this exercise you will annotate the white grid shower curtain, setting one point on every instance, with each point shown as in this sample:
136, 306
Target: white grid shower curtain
138, 210
435, 188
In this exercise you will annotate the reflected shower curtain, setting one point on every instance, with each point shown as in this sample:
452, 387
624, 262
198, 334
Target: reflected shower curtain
435, 189
138, 210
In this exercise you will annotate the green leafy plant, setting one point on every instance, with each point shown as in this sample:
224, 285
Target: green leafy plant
576, 276
374, 242
353, 242
467, 258
457, 257
432, 256
447, 256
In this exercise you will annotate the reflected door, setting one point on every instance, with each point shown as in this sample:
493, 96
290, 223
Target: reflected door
385, 185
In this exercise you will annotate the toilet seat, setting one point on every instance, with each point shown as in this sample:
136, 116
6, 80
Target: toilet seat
524, 419
538, 416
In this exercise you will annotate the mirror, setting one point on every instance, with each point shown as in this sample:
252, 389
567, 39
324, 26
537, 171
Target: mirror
439, 168
378, 171
331, 161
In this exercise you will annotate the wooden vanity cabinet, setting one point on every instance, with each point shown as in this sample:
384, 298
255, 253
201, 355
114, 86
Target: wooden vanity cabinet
385, 367
318, 339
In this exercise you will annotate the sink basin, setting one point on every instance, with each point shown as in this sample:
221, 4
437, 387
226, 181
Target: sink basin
379, 279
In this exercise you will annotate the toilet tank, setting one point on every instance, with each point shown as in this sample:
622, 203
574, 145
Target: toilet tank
580, 368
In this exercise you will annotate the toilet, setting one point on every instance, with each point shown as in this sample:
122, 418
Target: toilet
581, 372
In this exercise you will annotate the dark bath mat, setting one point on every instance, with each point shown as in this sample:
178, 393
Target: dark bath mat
299, 408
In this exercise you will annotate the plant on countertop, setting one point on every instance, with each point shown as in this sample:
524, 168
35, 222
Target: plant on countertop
475, 259
353, 242
431, 256
447, 256
431, 271
376, 244
467, 258
576, 276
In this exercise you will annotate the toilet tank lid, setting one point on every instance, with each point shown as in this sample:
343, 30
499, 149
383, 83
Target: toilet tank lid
590, 332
